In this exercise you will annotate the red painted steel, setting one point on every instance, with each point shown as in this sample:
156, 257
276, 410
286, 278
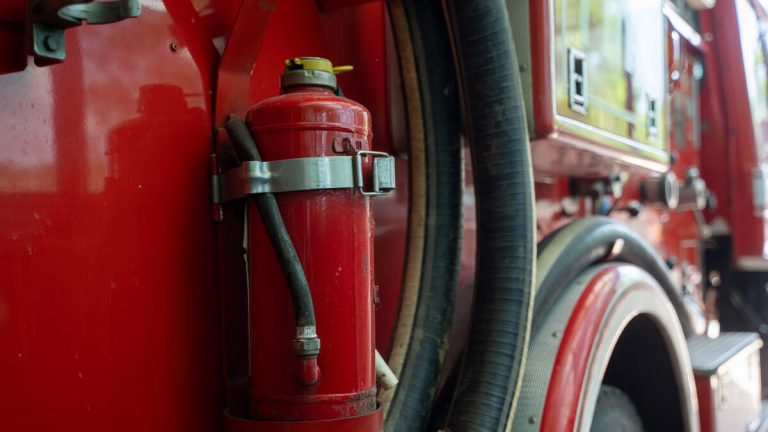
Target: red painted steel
12, 42
676, 234
244, 45
107, 300
562, 403
715, 165
541, 68
733, 175
332, 231
705, 387
107, 304
244, 23
369, 422
329, 5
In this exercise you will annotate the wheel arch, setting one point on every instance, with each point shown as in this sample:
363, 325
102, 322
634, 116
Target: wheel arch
609, 309
641, 349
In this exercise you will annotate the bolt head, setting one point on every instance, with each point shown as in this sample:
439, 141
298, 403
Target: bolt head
50, 43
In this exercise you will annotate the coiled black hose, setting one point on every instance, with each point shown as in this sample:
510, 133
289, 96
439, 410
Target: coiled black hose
422, 38
495, 121
246, 150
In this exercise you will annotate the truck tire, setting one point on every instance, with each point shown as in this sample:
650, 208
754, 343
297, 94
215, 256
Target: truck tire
615, 412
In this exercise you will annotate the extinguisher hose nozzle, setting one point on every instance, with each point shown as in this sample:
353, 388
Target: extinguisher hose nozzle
246, 149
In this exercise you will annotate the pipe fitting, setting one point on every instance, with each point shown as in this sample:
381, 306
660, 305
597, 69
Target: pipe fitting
307, 347
306, 343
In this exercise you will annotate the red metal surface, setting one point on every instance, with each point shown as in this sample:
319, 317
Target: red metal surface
242, 25
704, 389
676, 234
332, 231
244, 44
541, 68
12, 43
715, 160
107, 300
373, 422
328, 5
13, 11
735, 178
562, 404
104, 235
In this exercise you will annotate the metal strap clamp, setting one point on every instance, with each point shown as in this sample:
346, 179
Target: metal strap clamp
49, 18
291, 175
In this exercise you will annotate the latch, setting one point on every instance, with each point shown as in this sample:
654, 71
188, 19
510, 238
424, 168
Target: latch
383, 172
49, 18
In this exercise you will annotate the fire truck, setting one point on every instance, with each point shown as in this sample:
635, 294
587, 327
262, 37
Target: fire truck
368, 215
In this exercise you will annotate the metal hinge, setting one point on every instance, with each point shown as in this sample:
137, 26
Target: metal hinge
49, 18
302, 174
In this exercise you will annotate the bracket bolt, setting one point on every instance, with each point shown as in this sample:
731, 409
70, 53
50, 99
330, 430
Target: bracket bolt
50, 43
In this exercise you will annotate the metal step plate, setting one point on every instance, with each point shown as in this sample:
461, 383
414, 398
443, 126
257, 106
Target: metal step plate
727, 372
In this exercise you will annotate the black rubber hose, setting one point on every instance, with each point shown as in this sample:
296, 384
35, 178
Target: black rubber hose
575, 247
506, 231
242, 141
413, 400
246, 150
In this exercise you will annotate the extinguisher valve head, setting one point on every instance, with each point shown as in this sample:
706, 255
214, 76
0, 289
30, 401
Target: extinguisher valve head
311, 71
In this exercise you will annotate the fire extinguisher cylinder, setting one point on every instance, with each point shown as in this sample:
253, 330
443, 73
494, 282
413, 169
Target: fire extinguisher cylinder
331, 230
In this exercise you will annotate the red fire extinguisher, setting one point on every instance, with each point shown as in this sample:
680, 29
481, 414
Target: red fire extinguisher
316, 162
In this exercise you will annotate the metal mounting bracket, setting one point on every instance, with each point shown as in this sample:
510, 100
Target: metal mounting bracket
290, 175
48, 19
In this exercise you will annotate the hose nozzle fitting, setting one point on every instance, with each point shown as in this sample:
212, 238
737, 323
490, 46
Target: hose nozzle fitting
307, 347
306, 343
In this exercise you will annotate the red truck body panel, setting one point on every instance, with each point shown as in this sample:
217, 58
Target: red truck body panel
106, 244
